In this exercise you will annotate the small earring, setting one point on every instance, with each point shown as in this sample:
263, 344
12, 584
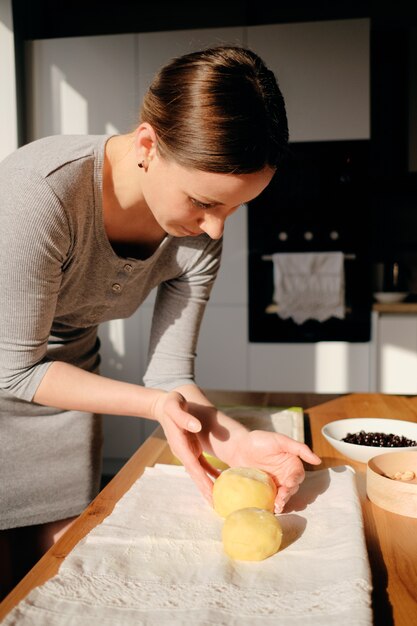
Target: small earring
140, 164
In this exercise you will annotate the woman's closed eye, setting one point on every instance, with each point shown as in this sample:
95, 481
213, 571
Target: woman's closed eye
201, 205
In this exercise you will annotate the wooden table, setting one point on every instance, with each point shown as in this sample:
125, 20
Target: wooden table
391, 539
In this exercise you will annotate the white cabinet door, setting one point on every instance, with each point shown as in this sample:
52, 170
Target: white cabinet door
323, 367
8, 98
323, 71
222, 351
397, 354
81, 85
231, 286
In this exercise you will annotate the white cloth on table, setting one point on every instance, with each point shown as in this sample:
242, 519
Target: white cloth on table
309, 285
158, 560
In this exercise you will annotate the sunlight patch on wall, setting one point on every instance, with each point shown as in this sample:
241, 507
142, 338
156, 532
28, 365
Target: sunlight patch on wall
70, 108
398, 369
331, 367
117, 337
110, 129
74, 111
8, 107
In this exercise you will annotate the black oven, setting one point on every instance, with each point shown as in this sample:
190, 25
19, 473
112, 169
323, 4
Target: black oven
318, 201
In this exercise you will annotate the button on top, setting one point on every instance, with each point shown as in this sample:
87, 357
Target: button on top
116, 288
128, 268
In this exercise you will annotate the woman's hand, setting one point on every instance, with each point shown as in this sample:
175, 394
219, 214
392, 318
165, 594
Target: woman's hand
180, 428
278, 455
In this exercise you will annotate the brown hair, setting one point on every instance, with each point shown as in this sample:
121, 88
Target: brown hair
218, 110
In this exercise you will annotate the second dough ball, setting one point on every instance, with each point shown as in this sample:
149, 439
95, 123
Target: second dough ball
251, 535
241, 487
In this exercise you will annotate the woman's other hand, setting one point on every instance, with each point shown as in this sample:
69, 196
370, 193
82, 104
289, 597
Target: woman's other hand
278, 455
181, 428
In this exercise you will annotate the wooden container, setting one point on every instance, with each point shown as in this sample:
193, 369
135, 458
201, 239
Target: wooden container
395, 495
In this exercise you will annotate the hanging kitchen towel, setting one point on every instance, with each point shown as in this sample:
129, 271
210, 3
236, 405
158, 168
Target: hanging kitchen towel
158, 560
309, 285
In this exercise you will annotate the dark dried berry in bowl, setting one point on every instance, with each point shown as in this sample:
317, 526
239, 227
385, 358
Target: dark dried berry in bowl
379, 440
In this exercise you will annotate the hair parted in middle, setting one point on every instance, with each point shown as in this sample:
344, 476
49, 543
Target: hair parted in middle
218, 110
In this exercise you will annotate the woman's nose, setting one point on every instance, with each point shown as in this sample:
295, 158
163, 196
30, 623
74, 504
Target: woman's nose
213, 225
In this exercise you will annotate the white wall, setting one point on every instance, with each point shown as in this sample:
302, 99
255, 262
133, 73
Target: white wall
8, 103
94, 85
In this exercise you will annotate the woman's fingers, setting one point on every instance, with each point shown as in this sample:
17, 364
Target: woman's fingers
180, 428
182, 418
208, 467
199, 476
298, 449
188, 450
283, 495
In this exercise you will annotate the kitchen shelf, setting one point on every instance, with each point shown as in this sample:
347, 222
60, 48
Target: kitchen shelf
396, 307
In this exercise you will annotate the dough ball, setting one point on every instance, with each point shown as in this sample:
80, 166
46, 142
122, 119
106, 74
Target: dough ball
242, 487
251, 534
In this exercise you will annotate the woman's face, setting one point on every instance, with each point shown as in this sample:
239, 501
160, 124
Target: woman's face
189, 202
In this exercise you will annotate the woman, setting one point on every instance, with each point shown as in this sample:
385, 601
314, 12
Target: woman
90, 225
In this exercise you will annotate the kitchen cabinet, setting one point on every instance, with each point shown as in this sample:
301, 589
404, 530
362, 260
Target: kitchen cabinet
323, 367
395, 337
68, 85
8, 95
323, 69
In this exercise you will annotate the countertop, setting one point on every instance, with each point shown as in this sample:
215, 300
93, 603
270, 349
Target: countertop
395, 308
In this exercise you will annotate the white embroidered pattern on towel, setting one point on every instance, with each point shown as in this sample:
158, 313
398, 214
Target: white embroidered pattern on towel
115, 591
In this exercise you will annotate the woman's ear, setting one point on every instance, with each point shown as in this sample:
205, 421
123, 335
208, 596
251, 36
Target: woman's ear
145, 143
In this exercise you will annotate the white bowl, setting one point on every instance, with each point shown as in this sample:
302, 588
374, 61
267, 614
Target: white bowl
335, 431
388, 297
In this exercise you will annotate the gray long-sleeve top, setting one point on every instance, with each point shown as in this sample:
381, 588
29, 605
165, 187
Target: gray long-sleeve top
60, 278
